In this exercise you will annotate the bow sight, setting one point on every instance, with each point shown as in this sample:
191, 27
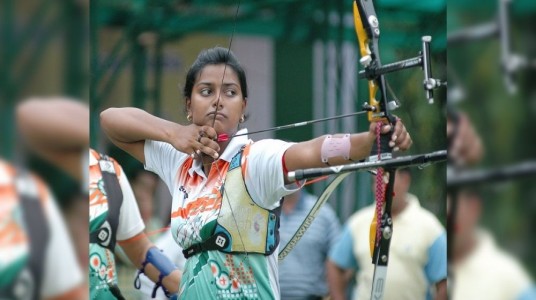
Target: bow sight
499, 27
422, 60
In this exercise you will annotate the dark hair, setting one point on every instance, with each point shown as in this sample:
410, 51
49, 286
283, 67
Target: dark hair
214, 56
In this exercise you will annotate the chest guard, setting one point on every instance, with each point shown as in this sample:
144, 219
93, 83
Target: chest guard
242, 225
102, 238
25, 283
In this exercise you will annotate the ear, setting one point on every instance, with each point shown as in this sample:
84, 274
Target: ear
244, 105
188, 105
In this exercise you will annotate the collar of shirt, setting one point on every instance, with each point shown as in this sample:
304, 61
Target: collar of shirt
232, 148
6, 176
412, 204
93, 157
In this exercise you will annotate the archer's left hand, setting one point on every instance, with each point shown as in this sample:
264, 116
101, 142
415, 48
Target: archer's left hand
400, 139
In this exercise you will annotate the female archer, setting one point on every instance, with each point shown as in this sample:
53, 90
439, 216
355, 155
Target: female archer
225, 187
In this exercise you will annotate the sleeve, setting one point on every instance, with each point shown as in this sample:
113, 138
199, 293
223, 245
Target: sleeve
264, 175
342, 252
130, 221
528, 294
436, 267
62, 271
161, 158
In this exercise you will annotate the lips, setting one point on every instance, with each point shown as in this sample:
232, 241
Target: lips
211, 114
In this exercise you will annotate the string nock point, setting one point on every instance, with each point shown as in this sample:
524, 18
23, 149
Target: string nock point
223, 137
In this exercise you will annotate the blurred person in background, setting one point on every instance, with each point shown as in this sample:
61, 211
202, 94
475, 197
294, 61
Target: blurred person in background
56, 132
302, 274
37, 258
465, 145
56, 129
481, 270
193, 159
418, 251
115, 217
144, 184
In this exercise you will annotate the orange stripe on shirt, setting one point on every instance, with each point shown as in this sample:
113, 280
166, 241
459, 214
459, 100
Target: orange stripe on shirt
207, 202
200, 205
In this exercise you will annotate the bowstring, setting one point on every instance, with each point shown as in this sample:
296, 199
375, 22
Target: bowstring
215, 164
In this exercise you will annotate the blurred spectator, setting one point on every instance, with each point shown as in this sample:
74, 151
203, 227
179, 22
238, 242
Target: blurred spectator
114, 216
37, 258
302, 273
481, 270
56, 130
144, 185
418, 261
465, 145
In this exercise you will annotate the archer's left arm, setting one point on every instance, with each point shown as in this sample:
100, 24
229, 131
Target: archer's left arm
155, 264
341, 149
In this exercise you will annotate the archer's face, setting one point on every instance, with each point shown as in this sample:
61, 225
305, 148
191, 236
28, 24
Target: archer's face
206, 91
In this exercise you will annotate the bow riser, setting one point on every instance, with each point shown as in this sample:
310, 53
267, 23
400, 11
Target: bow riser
368, 32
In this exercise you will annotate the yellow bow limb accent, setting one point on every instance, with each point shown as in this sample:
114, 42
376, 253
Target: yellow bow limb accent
372, 234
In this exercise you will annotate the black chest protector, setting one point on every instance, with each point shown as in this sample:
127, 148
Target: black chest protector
105, 234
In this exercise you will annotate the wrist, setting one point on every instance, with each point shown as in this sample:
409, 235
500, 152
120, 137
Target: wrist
169, 131
172, 281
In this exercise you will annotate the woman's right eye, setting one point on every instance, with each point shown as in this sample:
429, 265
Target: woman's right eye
205, 92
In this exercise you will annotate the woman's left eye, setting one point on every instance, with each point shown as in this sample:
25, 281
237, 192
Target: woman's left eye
230, 93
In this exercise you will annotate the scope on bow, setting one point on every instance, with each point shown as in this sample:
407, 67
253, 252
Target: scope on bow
368, 33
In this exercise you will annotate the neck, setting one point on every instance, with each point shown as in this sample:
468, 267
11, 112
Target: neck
208, 160
464, 247
401, 205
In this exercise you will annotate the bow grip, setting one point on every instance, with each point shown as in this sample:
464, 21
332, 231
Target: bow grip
385, 149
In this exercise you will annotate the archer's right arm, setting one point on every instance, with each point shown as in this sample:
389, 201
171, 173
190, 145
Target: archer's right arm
129, 127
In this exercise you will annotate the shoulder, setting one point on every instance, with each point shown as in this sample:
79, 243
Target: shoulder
269, 145
361, 217
425, 217
508, 265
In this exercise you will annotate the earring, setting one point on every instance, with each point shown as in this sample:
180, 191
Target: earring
242, 119
189, 118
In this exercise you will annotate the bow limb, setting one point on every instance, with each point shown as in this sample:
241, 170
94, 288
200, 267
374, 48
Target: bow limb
368, 32
312, 215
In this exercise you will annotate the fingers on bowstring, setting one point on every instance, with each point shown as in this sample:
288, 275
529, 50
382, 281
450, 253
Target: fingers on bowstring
208, 132
208, 146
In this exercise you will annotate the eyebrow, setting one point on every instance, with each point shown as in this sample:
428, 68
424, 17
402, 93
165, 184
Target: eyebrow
224, 84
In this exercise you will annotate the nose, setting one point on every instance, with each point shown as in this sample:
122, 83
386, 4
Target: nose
217, 102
